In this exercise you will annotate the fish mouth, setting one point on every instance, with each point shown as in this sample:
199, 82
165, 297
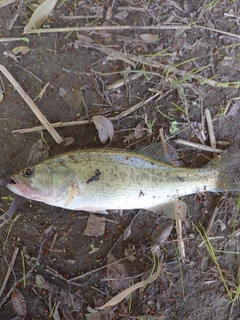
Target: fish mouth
12, 181
14, 186
6, 181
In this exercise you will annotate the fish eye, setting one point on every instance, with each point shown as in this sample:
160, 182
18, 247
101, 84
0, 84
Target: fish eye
27, 172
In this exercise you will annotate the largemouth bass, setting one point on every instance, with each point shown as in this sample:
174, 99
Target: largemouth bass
96, 180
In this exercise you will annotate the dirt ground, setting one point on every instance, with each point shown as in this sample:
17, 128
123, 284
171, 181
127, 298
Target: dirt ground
57, 271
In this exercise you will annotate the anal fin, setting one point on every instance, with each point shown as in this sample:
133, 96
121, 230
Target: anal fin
174, 209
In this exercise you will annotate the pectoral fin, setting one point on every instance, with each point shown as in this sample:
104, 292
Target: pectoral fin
173, 209
72, 194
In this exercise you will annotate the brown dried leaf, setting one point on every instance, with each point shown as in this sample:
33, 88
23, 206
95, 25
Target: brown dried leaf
160, 235
40, 15
93, 316
20, 50
19, 303
83, 39
118, 298
127, 232
95, 226
68, 141
148, 37
234, 111
43, 284
109, 13
188, 7
139, 130
104, 127
122, 15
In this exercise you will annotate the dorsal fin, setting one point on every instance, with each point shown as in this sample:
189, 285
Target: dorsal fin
161, 151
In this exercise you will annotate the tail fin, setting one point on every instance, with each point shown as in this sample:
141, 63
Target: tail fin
228, 167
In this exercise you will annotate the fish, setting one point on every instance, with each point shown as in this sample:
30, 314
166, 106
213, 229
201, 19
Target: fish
97, 180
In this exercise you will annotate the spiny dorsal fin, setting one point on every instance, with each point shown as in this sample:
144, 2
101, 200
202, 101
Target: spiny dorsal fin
161, 151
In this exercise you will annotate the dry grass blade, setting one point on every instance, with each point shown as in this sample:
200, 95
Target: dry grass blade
155, 64
219, 31
56, 315
118, 298
5, 3
213, 141
54, 125
40, 15
14, 256
212, 253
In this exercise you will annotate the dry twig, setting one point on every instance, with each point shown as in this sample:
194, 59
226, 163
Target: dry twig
30, 72
12, 39
98, 269
198, 146
181, 247
118, 84
110, 28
